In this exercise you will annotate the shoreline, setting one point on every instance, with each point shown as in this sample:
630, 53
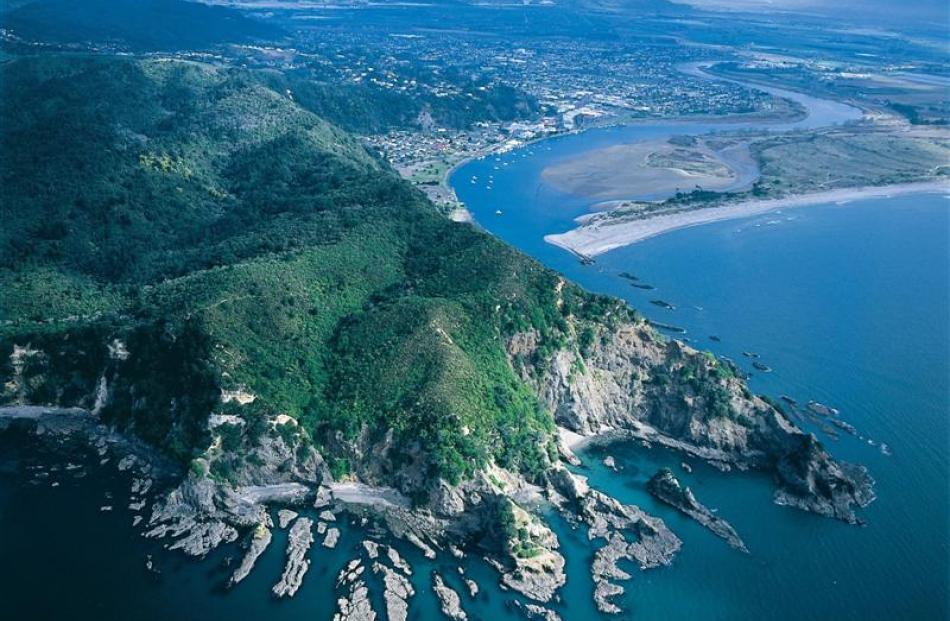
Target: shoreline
599, 237
461, 212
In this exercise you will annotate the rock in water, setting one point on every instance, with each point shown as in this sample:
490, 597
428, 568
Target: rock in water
472, 588
397, 561
333, 535
397, 593
449, 600
259, 539
611, 520
356, 605
372, 548
285, 517
298, 542
612, 386
665, 486
533, 611
812, 481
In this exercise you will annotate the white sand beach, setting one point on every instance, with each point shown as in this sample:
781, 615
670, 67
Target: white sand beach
600, 235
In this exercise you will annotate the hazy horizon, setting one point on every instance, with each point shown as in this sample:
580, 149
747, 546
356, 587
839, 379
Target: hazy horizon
924, 11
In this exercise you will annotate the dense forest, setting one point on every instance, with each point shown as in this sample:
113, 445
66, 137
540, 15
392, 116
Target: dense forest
229, 238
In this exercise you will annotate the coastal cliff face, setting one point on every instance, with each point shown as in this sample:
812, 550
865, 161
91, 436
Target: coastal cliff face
630, 382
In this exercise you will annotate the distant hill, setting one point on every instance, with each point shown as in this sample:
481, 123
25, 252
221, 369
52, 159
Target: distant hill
135, 24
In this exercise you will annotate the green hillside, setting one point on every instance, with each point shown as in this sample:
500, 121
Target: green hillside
231, 239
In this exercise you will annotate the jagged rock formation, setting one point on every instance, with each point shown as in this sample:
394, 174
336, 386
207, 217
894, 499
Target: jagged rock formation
397, 592
632, 383
397, 561
191, 512
472, 588
538, 568
814, 482
372, 549
202, 514
333, 535
285, 517
665, 486
449, 600
298, 543
609, 520
258, 540
355, 606
533, 611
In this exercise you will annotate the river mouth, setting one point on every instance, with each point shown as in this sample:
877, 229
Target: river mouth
556, 180
652, 169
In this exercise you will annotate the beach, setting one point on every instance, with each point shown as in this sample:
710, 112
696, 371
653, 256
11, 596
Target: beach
602, 234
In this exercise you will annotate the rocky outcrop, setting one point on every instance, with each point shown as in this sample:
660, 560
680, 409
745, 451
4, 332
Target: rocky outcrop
472, 588
397, 561
356, 605
285, 517
397, 592
632, 383
201, 515
537, 568
533, 611
299, 541
653, 544
812, 481
665, 486
258, 540
449, 600
372, 549
333, 536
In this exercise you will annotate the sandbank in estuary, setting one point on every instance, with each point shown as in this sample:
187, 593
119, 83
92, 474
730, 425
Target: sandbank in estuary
600, 235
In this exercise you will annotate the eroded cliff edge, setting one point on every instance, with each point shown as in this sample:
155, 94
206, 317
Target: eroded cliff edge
630, 382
